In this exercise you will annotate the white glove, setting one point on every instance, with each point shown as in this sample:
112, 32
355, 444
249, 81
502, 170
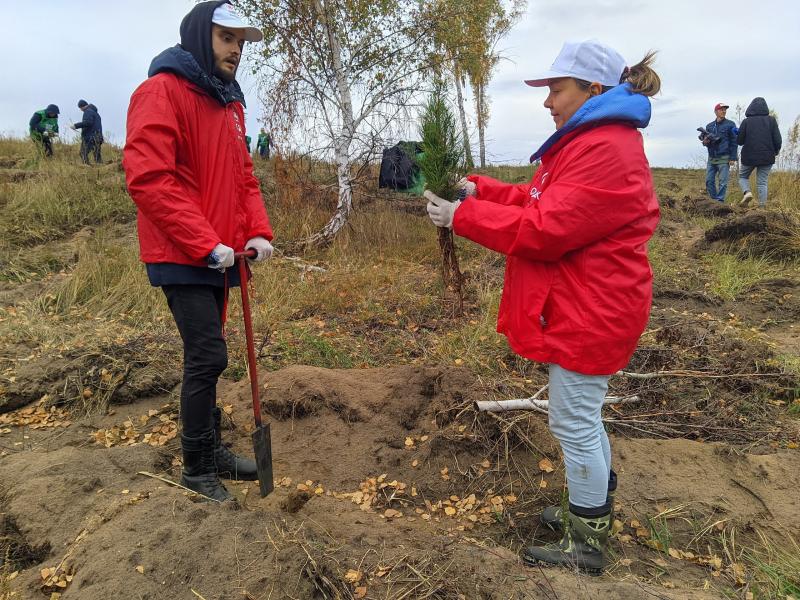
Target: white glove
468, 186
73, 127
262, 247
221, 258
45, 134
440, 211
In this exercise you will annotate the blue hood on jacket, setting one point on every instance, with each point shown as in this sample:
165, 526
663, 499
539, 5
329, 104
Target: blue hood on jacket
619, 104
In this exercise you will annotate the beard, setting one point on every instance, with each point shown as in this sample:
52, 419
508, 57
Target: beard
224, 75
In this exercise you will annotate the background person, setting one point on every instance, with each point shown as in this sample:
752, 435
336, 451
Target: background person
578, 284
191, 177
722, 152
91, 127
262, 145
760, 139
44, 127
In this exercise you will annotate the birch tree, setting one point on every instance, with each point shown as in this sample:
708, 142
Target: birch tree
338, 74
466, 34
489, 22
450, 46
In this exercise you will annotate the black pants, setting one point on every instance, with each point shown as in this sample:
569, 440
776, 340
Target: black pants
91, 145
197, 310
47, 146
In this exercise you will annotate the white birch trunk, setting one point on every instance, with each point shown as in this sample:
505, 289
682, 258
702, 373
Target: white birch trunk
480, 98
343, 140
462, 114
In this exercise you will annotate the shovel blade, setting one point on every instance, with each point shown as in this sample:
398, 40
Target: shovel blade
262, 446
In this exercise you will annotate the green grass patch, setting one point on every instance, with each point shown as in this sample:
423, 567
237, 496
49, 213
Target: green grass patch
776, 569
732, 276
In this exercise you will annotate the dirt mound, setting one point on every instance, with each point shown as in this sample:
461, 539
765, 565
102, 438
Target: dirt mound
386, 487
91, 379
765, 233
704, 207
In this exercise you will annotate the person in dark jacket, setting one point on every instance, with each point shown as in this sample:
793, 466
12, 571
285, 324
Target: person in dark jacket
760, 140
91, 127
44, 127
191, 177
722, 152
262, 146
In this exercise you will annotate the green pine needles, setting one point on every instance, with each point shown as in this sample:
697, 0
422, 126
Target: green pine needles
441, 163
443, 149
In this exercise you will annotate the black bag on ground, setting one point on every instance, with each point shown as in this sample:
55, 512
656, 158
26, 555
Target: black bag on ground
399, 170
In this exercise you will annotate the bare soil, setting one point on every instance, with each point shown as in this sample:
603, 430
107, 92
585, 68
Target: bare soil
81, 506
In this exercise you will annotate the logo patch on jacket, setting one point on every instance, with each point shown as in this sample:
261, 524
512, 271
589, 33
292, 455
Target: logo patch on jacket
535, 191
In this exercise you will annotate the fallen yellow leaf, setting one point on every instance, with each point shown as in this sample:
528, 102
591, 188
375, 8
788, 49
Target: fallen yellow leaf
140, 568
546, 466
353, 576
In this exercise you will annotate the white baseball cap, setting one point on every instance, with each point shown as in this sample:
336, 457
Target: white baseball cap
225, 16
589, 60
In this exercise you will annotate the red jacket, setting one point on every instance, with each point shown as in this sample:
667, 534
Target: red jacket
578, 285
189, 173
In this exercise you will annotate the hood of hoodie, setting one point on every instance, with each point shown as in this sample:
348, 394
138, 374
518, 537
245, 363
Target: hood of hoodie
617, 105
757, 107
193, 58
52, 109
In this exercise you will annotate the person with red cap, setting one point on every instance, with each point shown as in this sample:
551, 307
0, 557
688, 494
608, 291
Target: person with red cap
722, 152
191, 177
578, 284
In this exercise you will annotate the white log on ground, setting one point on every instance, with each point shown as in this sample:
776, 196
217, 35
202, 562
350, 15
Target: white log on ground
533, 403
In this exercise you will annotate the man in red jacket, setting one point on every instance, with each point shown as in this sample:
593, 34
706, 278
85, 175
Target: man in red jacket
190, 175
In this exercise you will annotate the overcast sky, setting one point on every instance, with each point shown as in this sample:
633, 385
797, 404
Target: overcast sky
708, 52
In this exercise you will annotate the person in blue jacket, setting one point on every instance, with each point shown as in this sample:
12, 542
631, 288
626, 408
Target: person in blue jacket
722, 152
91, 127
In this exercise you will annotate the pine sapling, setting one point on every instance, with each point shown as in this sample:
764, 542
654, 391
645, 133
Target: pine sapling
441, 163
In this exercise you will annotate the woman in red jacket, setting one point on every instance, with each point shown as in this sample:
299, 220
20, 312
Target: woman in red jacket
578, 284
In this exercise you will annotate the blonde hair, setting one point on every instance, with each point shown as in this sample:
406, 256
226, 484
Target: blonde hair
643, 79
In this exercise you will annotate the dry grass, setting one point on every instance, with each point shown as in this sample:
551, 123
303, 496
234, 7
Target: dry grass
379, 301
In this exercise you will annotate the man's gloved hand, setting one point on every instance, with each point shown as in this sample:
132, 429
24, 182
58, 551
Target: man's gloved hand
72, 126
261, 246
221, 258
45, 134
468, 186
440, 211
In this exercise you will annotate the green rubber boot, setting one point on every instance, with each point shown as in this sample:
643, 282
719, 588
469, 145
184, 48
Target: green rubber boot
582, 547
552, 517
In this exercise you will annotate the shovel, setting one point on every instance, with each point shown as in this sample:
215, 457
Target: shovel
262, 444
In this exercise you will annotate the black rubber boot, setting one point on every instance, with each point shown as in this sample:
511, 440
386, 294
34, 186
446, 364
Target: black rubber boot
553, 516
230, 465
583, 544
199, 471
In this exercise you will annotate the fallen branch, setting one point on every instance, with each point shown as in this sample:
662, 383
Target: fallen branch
538, 405
303, 265
696, 374
173, 483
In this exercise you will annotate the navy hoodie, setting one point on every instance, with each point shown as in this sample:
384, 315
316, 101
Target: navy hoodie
91, 125
759, 135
